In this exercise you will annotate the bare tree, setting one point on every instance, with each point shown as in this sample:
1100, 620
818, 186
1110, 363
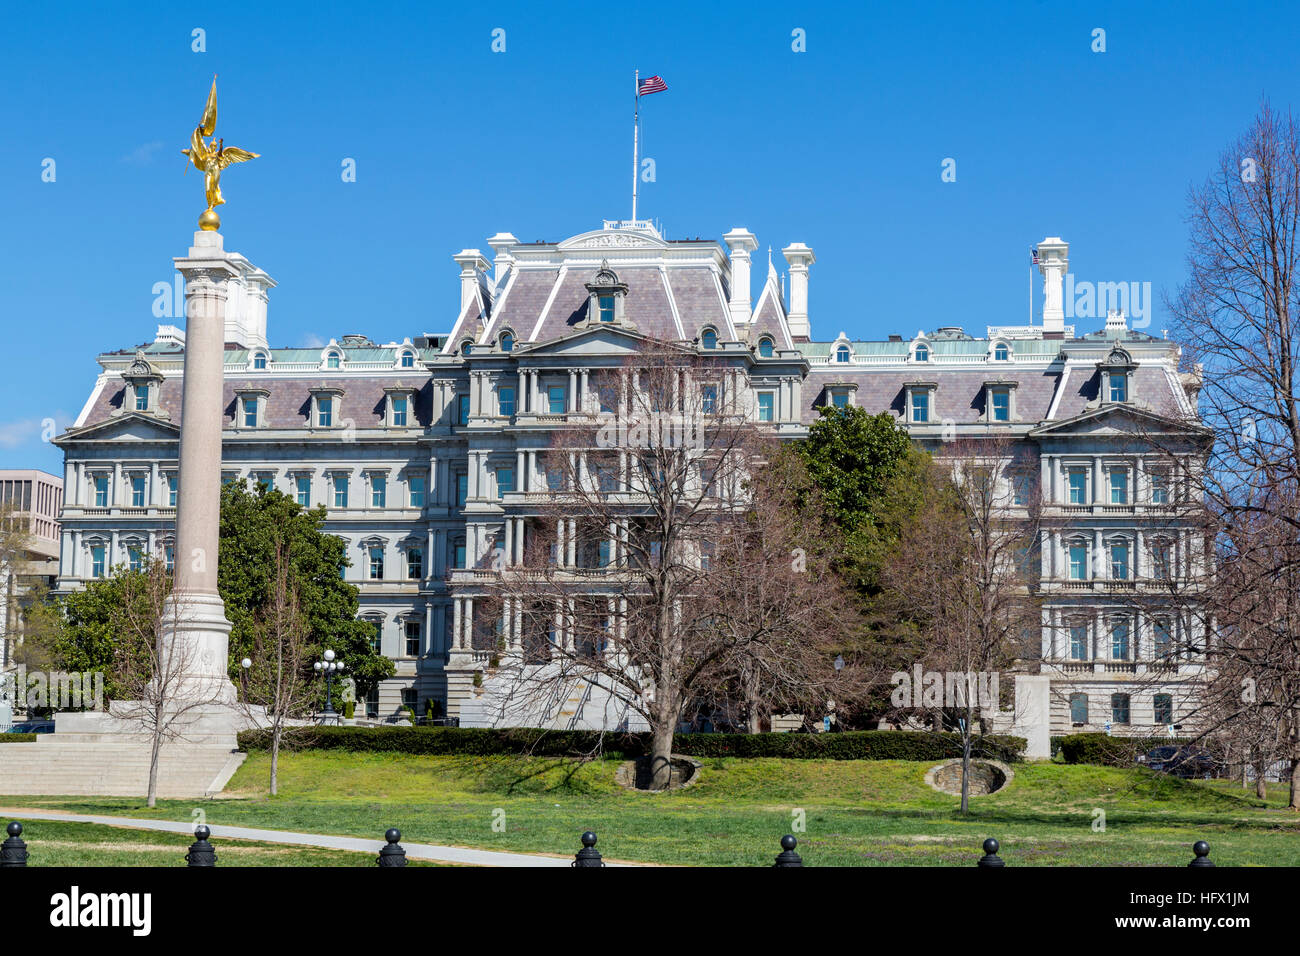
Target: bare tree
276, 691
616, 586
15, 541
153, 668
962, 576
1235, 315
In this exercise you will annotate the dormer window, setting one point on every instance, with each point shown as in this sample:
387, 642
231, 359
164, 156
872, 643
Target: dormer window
920, 402
408, 359
142, 383
142, 397
259, 361
507, 342
466, 346
766, 347
608, 296
840, 394
333, 360
401, 407
325, 407
249, 407
1116, 373
1000, 401
921, 353
843, 353
709, 339
1001, 352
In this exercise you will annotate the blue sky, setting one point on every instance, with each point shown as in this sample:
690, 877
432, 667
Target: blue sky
840, 147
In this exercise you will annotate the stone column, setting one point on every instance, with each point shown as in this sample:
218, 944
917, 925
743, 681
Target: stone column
196, 624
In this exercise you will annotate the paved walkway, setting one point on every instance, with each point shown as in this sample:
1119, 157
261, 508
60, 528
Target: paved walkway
414, 851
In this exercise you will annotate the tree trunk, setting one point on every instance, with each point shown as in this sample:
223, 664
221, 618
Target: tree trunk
965, 769
1294, 802
154, 749
275, 759
661, 767
1261, 780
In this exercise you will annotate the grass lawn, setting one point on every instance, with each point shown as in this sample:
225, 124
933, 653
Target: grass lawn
50, 843
854, 813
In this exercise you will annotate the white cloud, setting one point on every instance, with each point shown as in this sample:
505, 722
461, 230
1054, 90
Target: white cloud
143, 154
311, 341
26, 431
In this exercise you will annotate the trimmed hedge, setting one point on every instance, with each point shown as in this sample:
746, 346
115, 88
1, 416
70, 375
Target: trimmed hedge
1105, 751
853, 745
17, 738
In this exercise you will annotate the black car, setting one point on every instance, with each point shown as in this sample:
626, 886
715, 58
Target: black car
1187, 762
32, 727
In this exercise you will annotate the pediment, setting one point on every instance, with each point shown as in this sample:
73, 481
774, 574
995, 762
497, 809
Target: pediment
130, 427
611, 240
594, 340
1115, 420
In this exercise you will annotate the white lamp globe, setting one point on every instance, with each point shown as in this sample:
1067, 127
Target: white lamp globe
329, 655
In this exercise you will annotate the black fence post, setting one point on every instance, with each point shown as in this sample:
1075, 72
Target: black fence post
202, 853
990, 857
392, 854
787, 856
588, 855
13, 852
1202, 851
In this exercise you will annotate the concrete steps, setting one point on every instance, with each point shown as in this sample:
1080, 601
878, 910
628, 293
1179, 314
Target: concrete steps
117, 767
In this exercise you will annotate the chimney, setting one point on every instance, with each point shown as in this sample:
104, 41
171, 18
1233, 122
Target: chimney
741, 242
471, 263
501, 245
1116, 322
800, 258
1053, 261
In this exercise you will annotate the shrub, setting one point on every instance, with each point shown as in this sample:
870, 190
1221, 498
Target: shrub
16, 738
853, 745
1106, 751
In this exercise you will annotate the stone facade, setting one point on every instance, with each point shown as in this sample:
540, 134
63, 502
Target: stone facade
427, 452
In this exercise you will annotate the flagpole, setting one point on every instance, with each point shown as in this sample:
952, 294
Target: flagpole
636, 123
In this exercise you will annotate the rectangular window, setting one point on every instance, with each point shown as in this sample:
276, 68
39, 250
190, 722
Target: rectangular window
171, 491
556, 399
412, 638
840, 399
1163, 639
554, 479
399, 411
1078, 562
340, 491
1119, 708
505, 481
1119, 486
137, 491
142, 398
1161, 567
709, 399
372, 699
302, 490
506, 401
376, 564
376, 645
378, 491
920, 406
250, 412
608, 397
169, 558
135, 559
1021, 484
101, 491
1001, 405
766, 406
458, 555
97, 554
1079, 642
606, 303
462, 489
414, 564
1118, 389
1119, 641
1119, 562
1078, 708
325, 412
1078, 478
1159, 488
462, 409
415, 484
1164, 708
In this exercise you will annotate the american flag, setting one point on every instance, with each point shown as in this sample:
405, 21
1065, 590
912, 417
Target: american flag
1033, 257
651, 84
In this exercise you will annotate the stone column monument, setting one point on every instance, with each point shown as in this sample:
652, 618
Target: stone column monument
196, 625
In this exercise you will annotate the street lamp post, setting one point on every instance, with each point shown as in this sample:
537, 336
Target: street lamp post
328, 668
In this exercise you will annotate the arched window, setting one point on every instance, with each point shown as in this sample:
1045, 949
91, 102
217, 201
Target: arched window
922, 353
765, 347
842, 353
507, 342
408, 359
333, 360
466, 346
1001, 353
259, 360
709, 339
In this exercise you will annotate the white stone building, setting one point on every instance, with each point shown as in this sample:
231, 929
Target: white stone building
427, 452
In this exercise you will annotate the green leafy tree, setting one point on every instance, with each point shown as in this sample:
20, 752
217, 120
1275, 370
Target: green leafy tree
253, 524
89, 637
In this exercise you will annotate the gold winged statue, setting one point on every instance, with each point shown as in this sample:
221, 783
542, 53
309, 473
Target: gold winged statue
211, 158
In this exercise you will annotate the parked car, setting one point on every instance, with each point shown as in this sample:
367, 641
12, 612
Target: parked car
1186, 761
31, 727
